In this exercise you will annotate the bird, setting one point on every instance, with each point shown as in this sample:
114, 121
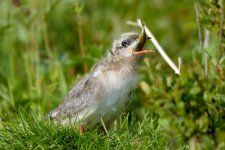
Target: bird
103, 94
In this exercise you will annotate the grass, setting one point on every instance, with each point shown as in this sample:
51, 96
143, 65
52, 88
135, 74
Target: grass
47, 46
34, 133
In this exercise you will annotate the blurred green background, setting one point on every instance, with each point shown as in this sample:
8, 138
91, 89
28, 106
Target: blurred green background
47, 46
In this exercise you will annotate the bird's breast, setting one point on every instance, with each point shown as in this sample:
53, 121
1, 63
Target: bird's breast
117, 88
118, 80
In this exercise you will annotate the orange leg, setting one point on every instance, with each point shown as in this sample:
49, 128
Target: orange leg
81, 129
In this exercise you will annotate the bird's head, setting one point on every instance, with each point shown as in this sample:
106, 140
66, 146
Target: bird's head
129, 44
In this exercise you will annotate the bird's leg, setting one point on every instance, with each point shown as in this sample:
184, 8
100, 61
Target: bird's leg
81, 129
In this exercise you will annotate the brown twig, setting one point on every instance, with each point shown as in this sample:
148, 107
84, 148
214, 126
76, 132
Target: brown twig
220, 36
205, 56
204, 45
78, 10
46, 40
199, 26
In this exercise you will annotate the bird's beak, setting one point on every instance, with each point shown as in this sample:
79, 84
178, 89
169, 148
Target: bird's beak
137, 46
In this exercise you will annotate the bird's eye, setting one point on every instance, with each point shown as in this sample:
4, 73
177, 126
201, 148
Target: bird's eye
125, 43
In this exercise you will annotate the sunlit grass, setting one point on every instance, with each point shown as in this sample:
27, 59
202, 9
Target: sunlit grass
34, 133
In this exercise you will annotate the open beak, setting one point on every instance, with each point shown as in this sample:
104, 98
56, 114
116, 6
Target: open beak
137, 46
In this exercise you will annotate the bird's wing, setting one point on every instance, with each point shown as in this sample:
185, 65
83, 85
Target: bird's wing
80, 97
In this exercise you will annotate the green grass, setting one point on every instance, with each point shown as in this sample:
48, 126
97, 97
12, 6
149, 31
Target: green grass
33, 133
47, 46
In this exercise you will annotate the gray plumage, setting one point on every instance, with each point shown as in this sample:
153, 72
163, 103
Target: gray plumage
103, 93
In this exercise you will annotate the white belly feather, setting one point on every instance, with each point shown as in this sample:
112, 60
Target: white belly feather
116, 90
